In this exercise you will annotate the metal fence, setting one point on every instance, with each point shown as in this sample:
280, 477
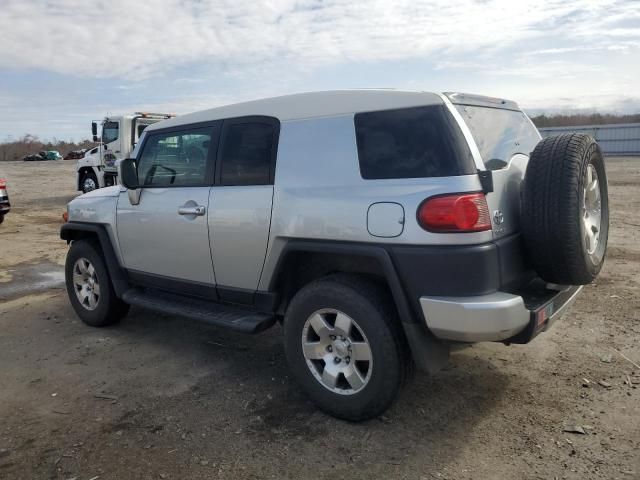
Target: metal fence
617, 139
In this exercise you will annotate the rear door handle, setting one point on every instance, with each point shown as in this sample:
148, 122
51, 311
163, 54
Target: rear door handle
197, 210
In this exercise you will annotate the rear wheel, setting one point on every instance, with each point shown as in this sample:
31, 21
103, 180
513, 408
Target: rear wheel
89, 286
565, 209
344, 346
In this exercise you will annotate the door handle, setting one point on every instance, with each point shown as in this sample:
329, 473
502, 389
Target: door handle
197, 210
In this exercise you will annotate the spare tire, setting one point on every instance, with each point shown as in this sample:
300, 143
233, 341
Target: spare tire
565, 209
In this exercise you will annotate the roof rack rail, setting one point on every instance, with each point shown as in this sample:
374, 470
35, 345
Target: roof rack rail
155, 115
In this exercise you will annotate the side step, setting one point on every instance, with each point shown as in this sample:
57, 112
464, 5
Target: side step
216, 314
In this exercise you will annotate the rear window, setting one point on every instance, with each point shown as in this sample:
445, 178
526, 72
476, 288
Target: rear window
411, 143
499, 134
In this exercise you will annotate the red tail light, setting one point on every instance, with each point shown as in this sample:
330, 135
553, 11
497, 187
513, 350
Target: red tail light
462, 212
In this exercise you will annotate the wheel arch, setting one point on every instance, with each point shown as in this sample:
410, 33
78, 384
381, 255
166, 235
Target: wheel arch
73, 231
303, 261
82, 171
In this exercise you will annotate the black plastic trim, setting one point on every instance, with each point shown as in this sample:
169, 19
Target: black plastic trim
71, 231
540, 300
170, 284
377, 252
255, 300
486, 180
413, 271
428, 353
443, 270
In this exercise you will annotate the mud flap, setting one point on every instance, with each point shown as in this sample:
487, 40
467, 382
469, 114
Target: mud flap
429, 354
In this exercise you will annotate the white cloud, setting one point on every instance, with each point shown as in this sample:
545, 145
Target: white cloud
131, 39
118, 56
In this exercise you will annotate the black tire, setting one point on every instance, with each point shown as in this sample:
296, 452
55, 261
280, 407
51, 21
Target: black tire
109, 309
372, 309
85, 177
553, 206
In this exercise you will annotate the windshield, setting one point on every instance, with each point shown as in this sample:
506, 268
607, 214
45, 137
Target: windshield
499, 133
109, 132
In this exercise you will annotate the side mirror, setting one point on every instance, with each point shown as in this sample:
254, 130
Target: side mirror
129, 174
94, 129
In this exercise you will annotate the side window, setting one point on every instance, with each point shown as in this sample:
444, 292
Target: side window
247, 152
417, 142
109, 132
175, 158
141, 128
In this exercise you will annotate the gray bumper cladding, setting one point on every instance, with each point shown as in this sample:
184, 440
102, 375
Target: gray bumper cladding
493, 317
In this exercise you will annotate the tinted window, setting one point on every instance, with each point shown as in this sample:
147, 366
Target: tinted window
499, 134
141, 128
109, 132
175, 159
411, 143
247, 153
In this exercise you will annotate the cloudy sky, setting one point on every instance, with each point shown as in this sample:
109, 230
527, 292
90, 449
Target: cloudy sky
66, 62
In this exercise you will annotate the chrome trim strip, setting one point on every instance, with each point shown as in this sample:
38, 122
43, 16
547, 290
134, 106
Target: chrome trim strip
475, 151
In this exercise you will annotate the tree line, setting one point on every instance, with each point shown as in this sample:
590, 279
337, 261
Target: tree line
576, 120
11, 149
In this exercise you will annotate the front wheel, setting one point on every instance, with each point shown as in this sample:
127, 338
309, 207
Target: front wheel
89, 286
88, 183
344, 346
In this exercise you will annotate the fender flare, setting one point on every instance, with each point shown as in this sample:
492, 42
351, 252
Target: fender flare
71, 231
375, 252
429, 353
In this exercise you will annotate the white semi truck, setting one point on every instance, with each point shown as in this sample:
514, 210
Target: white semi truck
118, 137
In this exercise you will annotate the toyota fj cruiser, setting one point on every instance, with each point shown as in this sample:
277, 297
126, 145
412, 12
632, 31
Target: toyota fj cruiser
379, 227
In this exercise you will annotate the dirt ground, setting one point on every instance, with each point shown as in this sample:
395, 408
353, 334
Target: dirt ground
162, 397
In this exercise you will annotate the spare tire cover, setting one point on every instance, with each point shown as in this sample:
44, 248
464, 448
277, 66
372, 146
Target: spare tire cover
565, 209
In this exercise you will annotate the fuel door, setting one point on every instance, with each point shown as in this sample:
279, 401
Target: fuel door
385, 219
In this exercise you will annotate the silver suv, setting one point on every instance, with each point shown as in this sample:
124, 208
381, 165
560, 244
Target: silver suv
378, 227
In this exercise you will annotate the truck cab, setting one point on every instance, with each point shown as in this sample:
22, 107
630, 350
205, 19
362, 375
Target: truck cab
118, 137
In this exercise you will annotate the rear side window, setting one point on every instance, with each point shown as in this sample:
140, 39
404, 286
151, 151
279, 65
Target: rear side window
414, 142
499, 133
247, 152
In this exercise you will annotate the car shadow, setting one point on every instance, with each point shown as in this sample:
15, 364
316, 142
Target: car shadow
247, 389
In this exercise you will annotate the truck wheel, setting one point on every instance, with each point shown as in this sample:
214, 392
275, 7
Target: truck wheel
89, 286
344, 346
89, 182
565, 209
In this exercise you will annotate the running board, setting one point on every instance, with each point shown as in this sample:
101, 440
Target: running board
215, 314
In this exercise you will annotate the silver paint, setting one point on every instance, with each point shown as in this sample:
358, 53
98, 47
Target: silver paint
239, 219
156, 239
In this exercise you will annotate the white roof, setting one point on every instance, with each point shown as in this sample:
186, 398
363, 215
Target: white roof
309, 105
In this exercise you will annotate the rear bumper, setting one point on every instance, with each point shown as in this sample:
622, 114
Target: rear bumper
497, 316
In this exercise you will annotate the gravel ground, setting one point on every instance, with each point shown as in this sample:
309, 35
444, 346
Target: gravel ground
162, 397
